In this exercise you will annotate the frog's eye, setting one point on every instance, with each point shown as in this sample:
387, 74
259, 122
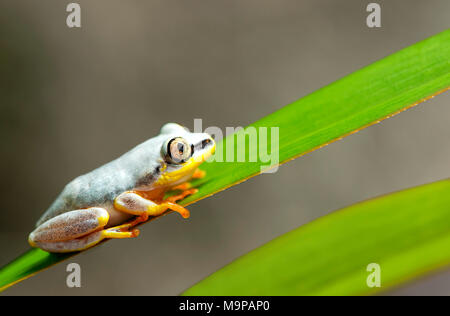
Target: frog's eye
177, 150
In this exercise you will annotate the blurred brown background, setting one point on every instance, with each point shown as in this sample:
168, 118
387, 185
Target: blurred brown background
73, 99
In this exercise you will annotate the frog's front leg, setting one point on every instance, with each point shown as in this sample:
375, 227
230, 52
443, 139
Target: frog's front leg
134, 203
186, 187
75, 231
185, 192
198, 174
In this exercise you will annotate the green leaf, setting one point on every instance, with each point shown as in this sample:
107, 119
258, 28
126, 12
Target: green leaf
405, 233
358, 100
28, 264
365, 97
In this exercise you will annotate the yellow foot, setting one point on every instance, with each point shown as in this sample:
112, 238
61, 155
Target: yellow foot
125, 227
198, 174
113, 233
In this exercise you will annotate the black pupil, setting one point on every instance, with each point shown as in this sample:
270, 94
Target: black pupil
180, 148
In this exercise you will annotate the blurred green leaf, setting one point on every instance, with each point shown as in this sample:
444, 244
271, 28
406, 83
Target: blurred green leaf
406, 233
358, 100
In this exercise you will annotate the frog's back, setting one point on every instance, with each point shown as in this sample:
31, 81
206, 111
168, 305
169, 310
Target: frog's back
102, 185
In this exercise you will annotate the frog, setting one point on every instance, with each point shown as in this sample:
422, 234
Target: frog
110, 201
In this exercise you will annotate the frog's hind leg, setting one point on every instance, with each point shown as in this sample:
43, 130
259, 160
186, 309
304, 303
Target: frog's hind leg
132, 202
75, 231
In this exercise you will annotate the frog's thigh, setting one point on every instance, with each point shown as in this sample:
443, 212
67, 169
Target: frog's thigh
133, 203
79, 244
75, 231
70, 225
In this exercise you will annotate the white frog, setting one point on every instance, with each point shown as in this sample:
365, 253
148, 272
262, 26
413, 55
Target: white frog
98, 205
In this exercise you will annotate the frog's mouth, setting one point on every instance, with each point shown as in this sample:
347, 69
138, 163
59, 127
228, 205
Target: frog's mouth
180, 173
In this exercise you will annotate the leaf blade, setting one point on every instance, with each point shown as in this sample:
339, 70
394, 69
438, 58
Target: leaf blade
345, 107
329, 256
